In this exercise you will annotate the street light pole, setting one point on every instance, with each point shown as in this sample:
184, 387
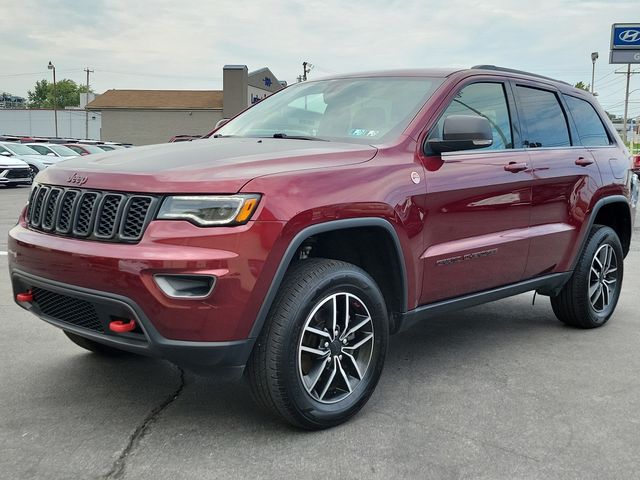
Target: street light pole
594, 57
51, 66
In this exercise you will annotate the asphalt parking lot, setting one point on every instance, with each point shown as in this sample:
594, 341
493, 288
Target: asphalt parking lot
500, 391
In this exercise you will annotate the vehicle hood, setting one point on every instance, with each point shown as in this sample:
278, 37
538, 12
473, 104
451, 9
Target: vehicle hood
221, 165
11, 162
39, 158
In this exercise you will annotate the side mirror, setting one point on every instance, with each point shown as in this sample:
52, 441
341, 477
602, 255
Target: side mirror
463, 132
220, 123
51, 154
6, 154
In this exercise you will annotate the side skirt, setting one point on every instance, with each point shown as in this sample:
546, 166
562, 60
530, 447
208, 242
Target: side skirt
546, 285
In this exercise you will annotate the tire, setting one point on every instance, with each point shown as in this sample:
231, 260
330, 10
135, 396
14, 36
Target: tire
95, 347
310, 390
33, 171
590, 297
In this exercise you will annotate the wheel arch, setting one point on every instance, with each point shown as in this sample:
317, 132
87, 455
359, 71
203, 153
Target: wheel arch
343, 227
614, 212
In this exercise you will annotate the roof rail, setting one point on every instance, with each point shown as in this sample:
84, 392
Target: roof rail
512, 70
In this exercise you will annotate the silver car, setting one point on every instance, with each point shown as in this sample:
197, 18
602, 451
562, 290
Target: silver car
13, 172
53, 150
36, 161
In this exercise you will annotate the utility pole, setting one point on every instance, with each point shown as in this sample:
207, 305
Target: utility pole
86, 112
628, 73
626, 104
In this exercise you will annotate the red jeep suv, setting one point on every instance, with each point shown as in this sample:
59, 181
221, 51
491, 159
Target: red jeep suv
293, 241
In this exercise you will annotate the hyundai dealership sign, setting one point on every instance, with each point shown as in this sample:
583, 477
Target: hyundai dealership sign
625, 43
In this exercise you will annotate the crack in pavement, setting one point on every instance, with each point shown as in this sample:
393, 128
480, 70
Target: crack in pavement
118, 468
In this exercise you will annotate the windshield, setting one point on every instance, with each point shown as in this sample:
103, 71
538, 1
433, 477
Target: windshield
19, 149
360, 110
63, 151
92, 149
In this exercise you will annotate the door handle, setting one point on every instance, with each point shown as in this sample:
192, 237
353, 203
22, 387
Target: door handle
583, 162
515, 167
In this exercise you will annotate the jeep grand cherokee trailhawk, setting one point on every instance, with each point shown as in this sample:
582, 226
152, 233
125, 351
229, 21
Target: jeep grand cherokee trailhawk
288, 245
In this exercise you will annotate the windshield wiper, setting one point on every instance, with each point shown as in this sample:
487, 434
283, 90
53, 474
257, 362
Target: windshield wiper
219, 135
298, 137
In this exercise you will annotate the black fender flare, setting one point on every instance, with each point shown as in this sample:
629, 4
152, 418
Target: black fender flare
316, 229
592, 217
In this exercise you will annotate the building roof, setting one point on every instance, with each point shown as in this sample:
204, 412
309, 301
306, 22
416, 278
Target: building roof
158, 100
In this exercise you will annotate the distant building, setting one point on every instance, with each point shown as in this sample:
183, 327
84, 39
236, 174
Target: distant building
143, 117
12, 101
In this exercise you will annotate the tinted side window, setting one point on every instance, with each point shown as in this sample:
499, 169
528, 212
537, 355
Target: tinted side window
40, 149
544, 121
487, 100
590, 128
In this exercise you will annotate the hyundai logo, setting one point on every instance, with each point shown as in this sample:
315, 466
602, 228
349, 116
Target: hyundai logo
629, 36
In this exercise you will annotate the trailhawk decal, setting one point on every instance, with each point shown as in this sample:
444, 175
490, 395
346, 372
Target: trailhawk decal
468, 256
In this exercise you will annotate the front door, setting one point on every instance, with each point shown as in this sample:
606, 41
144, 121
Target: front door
478, 204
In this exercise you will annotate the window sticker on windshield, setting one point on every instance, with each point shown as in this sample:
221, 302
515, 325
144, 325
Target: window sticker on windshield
361, 132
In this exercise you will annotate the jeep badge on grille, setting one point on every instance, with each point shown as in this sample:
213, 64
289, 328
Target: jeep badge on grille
77, 179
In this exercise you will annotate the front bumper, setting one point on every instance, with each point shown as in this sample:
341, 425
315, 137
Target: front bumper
236, 256
224, 359
14, 176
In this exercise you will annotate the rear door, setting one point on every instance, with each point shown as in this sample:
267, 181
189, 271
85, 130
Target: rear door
478, 202
565, 175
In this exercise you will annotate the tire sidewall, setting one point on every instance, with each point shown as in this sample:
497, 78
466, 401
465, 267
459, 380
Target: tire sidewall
604, 235
350, 280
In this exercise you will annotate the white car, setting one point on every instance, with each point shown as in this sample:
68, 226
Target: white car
36, 161
13, 172
53, 150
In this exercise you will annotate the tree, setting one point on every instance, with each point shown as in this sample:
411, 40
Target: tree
38, 97
66, 94
583, 86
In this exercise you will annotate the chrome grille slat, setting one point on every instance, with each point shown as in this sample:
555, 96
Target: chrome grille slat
90, 214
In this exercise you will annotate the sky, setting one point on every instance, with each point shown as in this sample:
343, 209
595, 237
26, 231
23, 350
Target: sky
142, 44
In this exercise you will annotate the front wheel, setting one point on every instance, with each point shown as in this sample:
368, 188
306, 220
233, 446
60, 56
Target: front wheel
33, 171
322, 349
590, 296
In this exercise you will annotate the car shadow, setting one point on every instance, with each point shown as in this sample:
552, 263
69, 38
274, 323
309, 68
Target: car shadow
446, 342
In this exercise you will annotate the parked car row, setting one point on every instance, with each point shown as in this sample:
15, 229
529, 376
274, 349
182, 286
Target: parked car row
21, 161
61, 141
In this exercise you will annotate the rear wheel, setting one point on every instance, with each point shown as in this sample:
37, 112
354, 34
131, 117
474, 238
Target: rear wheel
94, 347
591, 295
322, 349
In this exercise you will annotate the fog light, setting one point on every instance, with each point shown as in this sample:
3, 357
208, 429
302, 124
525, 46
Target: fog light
185, 286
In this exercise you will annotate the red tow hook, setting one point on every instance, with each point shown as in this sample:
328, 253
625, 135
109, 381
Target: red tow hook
25, 297
120, 326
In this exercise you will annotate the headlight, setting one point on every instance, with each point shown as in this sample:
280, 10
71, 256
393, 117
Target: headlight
209, 210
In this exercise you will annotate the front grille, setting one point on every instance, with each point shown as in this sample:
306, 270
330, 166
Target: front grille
67, 309
18, 173
90, 214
